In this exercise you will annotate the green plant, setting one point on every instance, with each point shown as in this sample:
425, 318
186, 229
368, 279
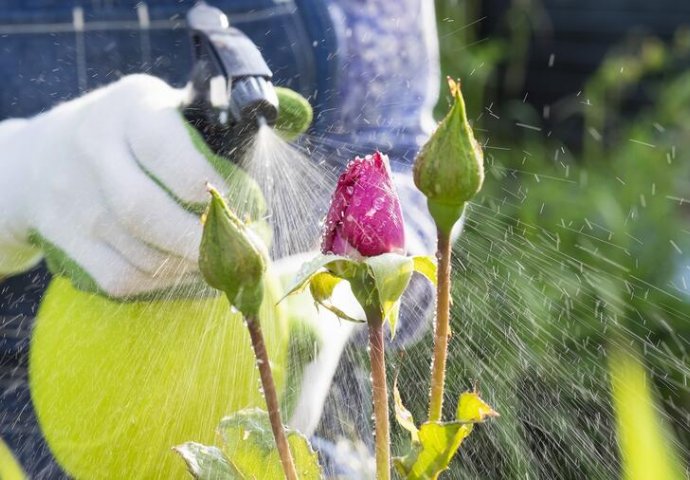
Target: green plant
557, 249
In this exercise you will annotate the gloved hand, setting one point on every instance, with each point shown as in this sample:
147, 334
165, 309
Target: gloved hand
109, 187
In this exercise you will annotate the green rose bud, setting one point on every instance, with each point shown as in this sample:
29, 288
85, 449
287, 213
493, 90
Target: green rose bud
232, 257
449, 168
294, 114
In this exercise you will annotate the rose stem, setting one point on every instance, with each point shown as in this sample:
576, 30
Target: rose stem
269, 390
442, 328
380, 394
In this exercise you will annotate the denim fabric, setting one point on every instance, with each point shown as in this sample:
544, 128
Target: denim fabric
46, 57
367, 67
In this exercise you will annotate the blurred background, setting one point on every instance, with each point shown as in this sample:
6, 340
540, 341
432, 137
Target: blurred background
577, 251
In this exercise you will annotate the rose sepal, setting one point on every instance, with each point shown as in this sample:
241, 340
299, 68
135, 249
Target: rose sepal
377, 282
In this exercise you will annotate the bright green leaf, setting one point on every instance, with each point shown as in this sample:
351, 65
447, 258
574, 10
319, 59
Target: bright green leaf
207, 463
249, 444
322, 285
403, 415
391, 273
472, 409
340, 313
311, 268
438, 443
306, 460
426, 266
644, 438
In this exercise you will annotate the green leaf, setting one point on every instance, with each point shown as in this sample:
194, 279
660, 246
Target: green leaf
472, 409
403, 415
644, 437
334, 263
391, 273
437, 445
249, 444
437, 442
306, 460
426, 266
207, 463
380, 285
338, 312
322, 285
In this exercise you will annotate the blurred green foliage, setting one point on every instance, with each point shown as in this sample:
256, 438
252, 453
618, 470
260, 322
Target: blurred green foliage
564, 252
643, 439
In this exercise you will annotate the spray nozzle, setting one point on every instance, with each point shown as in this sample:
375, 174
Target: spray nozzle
231, 87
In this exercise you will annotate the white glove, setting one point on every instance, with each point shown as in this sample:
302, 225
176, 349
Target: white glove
98, 184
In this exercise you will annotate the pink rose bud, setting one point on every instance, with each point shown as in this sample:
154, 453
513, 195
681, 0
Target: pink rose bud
365, 217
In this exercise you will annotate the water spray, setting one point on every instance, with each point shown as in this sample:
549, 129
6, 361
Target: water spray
231, 94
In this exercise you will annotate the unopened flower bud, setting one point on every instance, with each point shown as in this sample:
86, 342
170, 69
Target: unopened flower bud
364, 219
449, 168
232, 257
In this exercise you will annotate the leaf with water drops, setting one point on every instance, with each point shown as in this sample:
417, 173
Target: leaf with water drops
438, 442
403, 415
472, 409
425, 265
207, 463
249, 444
321, 287
391, 273
377, 282
336, 263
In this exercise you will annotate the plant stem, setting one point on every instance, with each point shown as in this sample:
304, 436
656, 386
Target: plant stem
271, 397
380, 394
442, 328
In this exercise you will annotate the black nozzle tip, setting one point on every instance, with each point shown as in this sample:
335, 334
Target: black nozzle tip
260, 112
251, 98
